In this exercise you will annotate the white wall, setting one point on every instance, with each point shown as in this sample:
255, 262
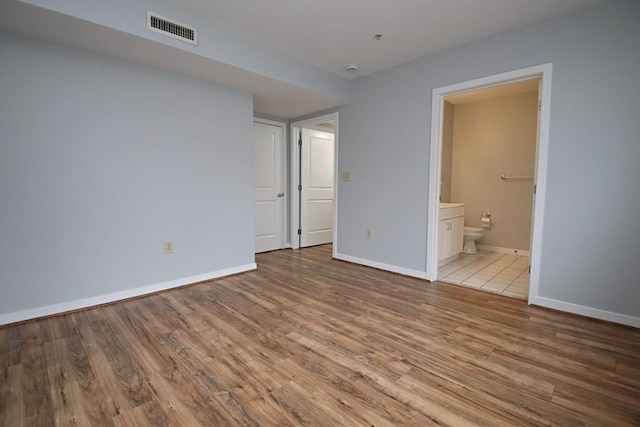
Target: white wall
591, 234
101, 161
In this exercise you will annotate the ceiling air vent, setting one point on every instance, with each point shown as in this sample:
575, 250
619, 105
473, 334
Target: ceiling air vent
171, 28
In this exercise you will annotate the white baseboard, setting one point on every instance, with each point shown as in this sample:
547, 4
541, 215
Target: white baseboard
381, 266
502, 250
54, 309
596, 313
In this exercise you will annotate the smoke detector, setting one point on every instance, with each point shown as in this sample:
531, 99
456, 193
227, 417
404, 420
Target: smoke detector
351, 68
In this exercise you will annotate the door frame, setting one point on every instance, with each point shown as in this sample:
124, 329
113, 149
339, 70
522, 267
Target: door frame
543, 72
285, 179
295, 129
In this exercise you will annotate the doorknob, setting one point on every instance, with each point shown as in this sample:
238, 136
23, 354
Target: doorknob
280, 194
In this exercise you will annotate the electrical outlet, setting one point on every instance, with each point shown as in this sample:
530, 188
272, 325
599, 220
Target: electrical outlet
168, 246
368, 234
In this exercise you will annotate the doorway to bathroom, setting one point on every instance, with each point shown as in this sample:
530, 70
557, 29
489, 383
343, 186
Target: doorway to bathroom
488, 150
488, 159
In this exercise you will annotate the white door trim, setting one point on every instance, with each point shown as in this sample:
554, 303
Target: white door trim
542, 147
295, 172
285, 217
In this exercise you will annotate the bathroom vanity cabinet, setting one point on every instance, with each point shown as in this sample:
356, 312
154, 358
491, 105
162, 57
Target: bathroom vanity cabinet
450, 231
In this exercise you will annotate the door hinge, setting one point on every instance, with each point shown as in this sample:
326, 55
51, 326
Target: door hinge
299, 231
539, 105
299, 187
300, 140
535, 187
529, 269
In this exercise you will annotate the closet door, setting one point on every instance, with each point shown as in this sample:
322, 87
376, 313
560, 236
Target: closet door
268, 142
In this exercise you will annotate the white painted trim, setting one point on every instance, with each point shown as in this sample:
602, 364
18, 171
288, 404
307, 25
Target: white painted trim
270, 122
285, 178
336, 183
380, 266
540, 180
544, 72
55, 309
294, 217
435, 167
582, 310
295, 127
502, 250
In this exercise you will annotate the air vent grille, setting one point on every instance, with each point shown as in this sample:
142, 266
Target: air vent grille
171, 28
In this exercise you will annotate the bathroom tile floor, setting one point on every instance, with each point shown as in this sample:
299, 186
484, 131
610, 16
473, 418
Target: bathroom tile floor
506, 274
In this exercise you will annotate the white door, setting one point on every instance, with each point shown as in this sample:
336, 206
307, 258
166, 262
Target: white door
268, 149
316, 198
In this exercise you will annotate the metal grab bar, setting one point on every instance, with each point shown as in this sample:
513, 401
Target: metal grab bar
516, 178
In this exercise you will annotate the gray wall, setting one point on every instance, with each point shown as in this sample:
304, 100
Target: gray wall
101, 161
591, 235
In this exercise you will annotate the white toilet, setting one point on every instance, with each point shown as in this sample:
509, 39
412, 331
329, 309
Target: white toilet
471, 234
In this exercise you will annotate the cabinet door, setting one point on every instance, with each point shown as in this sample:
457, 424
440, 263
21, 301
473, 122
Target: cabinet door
442, 240
456, 236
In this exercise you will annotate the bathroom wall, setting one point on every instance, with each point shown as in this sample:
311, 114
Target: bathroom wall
447, 152
490, 138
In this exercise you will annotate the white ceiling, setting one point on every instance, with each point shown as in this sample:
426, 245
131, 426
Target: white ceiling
332, 34
328, 34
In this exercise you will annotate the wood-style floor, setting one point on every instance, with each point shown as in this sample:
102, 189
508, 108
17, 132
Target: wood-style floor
306, 340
